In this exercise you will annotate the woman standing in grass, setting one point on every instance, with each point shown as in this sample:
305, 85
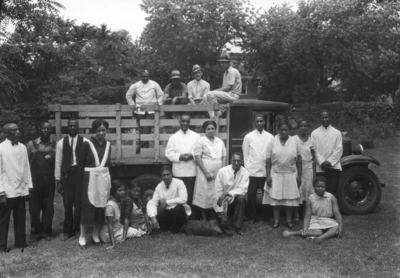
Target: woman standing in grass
319, 223
307, 146
284, 172
113, 231
210, 154
96, 158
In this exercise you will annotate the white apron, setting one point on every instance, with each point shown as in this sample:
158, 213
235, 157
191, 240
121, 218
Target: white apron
99, 179
204, 190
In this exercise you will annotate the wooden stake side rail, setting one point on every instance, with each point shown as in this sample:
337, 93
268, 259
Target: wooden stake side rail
123, 129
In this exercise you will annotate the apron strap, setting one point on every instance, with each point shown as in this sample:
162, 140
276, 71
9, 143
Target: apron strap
105, 157
95, 155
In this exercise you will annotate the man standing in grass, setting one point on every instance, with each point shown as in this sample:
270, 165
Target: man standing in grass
231, 186
15, 187
41, 154
255, 146
329, 149
180, 150
69, 176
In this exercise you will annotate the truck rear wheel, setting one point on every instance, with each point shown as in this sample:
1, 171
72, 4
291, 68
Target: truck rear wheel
147, 181
359, 191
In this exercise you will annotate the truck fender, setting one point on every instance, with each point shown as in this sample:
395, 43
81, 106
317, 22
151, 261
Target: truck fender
358, 159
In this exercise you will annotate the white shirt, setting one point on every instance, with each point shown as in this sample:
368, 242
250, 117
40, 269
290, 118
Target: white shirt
328, 146
180, 143
197, 89
146, 94
255, 152
176, 194
59, 154
229, 182
233, 78
15, 172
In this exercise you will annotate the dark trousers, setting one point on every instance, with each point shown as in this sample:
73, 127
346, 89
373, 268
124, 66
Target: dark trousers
189, 183
72, 203
332, 178
237, 208
172, 219
17, 206
42, 202
254, 184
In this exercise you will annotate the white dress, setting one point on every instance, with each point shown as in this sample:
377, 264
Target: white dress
284, 190
211, 154
306, 187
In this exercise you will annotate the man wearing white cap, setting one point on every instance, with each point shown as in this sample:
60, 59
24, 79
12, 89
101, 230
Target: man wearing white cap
146, 92
197, 88
231, 87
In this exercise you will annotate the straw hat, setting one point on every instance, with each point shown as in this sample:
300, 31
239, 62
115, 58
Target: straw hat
225, 57
175, 75
196, 68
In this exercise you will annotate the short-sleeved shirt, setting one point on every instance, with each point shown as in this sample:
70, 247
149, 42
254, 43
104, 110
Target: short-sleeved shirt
178, 91
209, 150
233, 78
283, 158
113, 210
198, 89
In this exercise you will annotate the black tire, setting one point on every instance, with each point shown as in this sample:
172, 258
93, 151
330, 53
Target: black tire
359, 191
147, 181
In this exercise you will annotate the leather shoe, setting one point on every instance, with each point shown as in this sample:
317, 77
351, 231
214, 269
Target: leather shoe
96, 243
289, 225
276, 225
239, 231
82, 246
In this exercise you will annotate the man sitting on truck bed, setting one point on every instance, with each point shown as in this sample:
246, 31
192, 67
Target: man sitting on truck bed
146, 92
175, 93
231, 86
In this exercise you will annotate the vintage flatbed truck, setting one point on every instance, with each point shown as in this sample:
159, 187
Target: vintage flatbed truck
359, 189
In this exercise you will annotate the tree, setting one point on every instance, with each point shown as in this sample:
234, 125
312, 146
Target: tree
71, 64
327, 50
187, 32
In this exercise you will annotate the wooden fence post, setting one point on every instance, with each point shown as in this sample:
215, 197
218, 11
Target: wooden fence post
57, 111
156, 132
118, 128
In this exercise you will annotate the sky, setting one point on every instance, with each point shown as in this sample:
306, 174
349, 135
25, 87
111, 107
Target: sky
124, 14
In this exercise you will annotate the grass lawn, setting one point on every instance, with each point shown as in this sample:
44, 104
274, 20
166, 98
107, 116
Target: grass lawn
371, 246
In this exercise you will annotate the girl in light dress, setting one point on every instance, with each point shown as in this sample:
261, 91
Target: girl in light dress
307, 145
323, 219
113, 231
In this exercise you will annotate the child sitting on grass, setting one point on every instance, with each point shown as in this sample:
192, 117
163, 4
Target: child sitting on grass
134, 211
112, 231
319, 223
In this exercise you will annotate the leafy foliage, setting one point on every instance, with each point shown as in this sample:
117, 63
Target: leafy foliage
187, 32
328, 50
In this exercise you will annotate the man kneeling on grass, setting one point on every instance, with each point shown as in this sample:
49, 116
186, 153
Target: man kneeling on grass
319, 223
168, 208
231, 186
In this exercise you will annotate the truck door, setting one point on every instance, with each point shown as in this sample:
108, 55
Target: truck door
241, 123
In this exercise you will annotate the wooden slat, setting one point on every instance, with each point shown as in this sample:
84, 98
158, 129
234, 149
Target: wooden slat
58, 121
156, 132
79, 108
228, 131
172, 108
141, 161
165, 137
118, 129
103, 114
175, 122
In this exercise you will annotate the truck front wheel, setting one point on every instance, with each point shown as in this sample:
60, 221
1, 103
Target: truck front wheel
359, 191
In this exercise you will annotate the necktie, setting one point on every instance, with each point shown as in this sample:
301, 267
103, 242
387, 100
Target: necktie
72, 151
13, 143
